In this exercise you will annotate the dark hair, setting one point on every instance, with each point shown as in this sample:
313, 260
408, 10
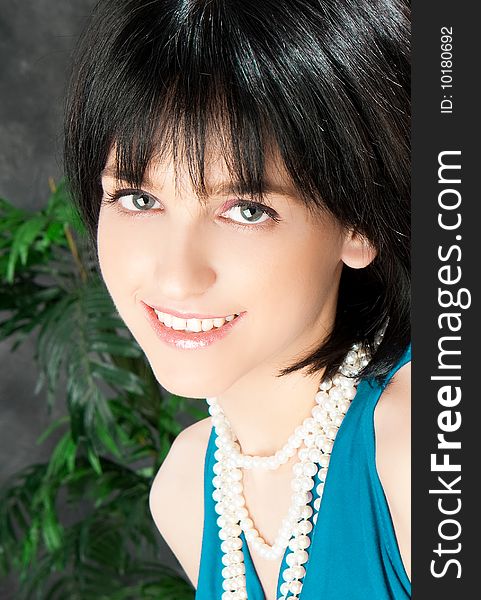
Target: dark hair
327, 82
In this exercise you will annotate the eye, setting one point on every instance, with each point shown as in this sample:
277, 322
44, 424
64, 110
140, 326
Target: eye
133, 200
250, 213
137, 201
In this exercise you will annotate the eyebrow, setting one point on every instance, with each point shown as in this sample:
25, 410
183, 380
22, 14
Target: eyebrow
221, 188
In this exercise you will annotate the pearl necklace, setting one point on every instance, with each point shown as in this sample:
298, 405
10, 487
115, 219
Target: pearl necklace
316, 435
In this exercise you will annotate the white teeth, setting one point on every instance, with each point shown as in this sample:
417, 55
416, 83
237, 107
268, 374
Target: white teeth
207, 324
194, 325
178, 324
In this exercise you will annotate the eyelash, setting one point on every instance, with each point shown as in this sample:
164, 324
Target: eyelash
113, 198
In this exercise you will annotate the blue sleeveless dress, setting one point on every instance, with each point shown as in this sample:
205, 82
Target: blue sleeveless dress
354, 553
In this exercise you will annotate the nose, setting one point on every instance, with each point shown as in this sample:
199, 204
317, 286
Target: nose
184, 270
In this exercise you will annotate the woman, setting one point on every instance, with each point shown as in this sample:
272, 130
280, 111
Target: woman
243, 168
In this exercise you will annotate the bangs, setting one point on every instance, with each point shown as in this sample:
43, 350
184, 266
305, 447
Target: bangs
191, 127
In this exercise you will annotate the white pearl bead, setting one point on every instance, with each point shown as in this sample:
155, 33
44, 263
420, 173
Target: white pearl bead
242, 513
324, 460
239, 581
219, 508
331, 432
233, 530
304, 527
298, 469
256, 462
310, 440
301, 557
246, 523
319, 413
238, 501
299, 498
228, 584
327, 445
314, 455
290, 452
350, 393
294, 544
218, 468
251, 534
306, 512
322, 473
336, 394
221, 521
337, 420
295, 587
236, 488
238, 569
237, 556
309, 469
326, 384
303, 454
247, 462
321, 397
287, 574
303, 542
235, 475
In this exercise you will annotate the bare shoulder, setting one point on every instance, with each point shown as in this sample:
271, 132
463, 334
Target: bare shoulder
392, 422
177, 496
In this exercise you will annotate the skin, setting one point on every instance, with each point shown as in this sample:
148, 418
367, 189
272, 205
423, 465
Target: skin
284, 275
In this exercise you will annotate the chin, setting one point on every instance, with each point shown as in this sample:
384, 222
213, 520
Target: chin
189, 385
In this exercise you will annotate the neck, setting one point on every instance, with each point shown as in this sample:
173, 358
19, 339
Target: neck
264, 410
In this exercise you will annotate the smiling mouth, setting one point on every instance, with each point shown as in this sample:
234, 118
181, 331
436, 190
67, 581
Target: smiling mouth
192, 325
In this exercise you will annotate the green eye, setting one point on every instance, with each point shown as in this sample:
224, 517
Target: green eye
251, 213
137, 201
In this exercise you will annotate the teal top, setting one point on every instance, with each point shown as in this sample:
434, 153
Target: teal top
354, 553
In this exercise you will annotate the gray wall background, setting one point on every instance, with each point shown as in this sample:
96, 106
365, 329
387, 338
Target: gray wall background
36, 39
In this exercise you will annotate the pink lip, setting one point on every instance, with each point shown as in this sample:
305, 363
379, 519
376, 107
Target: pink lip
189, 340
184, 315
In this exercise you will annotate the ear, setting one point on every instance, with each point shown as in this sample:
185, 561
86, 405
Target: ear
357, 251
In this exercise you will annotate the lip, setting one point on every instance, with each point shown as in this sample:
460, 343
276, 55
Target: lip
189, 340
184, 315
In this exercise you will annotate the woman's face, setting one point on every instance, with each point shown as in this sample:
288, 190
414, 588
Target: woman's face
159, 247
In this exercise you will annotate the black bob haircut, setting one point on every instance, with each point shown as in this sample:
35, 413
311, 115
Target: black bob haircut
325, 82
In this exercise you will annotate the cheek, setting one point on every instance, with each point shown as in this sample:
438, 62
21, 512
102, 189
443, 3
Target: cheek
122, 256
298, 276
